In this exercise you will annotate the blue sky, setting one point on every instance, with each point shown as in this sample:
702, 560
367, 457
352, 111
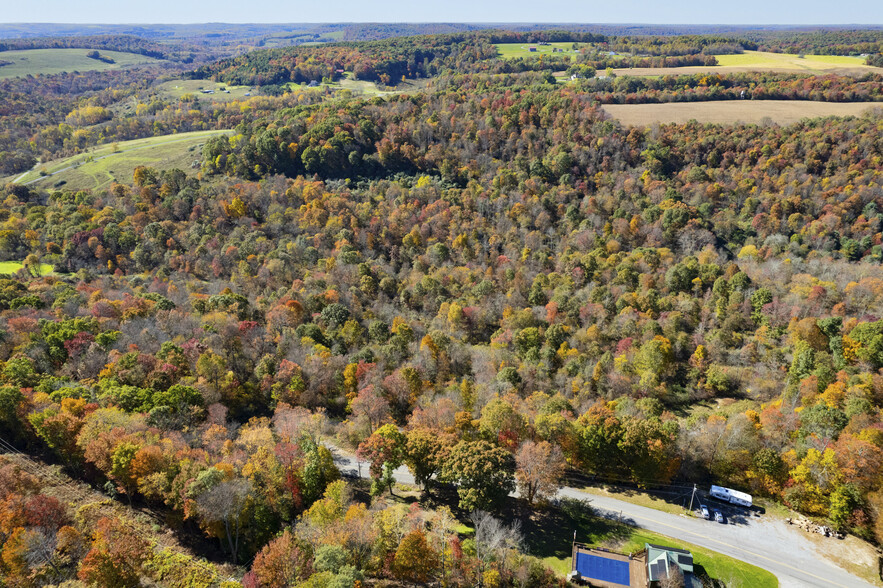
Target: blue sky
818, 12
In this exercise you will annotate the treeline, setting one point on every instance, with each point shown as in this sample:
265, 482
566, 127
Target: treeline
820, 42
391, 60
659, 46
601, 61
740, 86
388, 61
123, 43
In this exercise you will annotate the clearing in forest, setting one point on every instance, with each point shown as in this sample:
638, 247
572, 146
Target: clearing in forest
782, 112
11, 267
204, 90
512, 50
104, 164
53, 61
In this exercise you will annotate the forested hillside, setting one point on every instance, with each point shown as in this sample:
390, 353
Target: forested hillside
488, 282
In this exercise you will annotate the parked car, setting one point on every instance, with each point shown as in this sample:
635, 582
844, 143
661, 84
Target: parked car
718, 516
704, 510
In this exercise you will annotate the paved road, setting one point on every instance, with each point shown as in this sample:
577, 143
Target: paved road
766, 542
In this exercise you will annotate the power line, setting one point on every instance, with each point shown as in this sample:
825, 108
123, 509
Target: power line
43, 471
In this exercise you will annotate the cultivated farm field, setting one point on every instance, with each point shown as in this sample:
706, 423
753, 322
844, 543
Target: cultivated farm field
782, 112
53, 61
750, 61
105, 164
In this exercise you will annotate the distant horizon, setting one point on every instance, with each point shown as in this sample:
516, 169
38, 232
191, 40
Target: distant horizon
687, 12
489, 24
457, 22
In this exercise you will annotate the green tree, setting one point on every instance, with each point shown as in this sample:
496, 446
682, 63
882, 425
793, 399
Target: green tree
425, 452
482, 471
385, 449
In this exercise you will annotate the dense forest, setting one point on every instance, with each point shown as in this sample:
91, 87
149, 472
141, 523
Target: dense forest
490, 282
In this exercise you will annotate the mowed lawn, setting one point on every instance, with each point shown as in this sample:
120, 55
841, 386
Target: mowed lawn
782, 112
105, 164
53, 61
512, 50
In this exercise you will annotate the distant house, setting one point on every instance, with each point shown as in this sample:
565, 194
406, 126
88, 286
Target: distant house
312, 84
665, 561
532, 49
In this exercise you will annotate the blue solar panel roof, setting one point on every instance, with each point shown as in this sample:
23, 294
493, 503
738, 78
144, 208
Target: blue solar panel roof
602, 568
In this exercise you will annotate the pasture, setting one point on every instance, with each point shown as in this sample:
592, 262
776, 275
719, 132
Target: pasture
104, 164
178, 88
365, 87
53, 61
781, 112
512, 50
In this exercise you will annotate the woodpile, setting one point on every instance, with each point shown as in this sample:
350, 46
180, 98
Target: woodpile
811, 527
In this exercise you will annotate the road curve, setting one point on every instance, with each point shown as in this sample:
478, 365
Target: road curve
765, 542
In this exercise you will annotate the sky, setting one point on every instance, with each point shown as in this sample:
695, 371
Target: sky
818, 12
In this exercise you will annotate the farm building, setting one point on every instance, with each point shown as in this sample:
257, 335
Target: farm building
663, 562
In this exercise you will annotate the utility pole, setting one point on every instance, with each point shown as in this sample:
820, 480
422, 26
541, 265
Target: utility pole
691, 497
573, 552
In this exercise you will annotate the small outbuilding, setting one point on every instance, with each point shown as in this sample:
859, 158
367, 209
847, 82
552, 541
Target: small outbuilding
665, 562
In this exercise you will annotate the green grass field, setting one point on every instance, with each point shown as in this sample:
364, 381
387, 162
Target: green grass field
178, 88
11, 267
364, 87
104, 164
52, 61
512, 50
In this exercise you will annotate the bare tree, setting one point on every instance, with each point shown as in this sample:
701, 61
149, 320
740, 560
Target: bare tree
539, 468
226, 503
40, 550
493, 539
673, 578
